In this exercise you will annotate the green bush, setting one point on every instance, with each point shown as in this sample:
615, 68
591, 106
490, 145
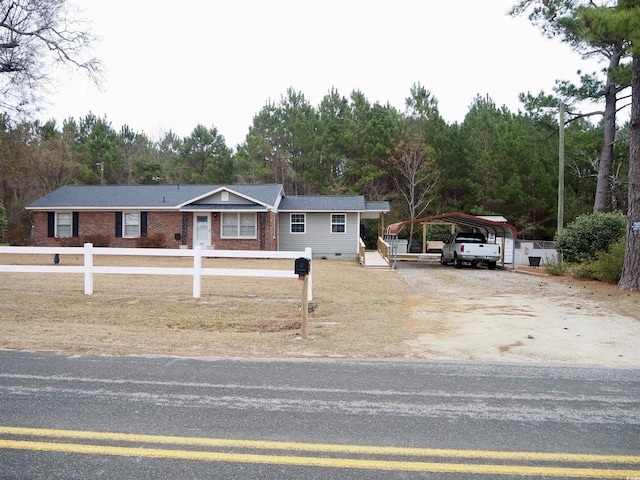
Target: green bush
608, 266
553, 267
581, 240
582, 271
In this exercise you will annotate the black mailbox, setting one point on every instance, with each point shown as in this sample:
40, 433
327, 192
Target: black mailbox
302, 266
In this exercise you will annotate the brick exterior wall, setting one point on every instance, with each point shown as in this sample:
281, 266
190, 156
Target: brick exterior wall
171, 224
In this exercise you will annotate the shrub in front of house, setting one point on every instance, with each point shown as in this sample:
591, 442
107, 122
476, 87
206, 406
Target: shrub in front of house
71, 242
97, 240
582, 239
17, 236
155, 240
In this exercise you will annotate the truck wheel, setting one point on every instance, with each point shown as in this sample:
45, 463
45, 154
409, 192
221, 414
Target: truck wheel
491, 265
457, 262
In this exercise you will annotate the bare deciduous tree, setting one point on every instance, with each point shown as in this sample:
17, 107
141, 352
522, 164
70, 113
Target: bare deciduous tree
414, 173
35, 36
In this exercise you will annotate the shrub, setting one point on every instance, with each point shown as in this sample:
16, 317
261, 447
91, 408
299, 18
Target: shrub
608, 266
588, 234
71, 242
18, 236
582, 271
155, 240
553, 267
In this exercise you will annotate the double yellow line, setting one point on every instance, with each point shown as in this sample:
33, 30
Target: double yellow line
317, 461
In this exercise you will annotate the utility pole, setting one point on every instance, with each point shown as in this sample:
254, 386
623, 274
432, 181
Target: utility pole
561, 171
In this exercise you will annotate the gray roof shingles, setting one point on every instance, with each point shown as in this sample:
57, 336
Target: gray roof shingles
172, 196
144, 196
331, 204
322, 203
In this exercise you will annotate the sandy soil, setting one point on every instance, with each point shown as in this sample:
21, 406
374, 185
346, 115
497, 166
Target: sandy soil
424, 311
475, 314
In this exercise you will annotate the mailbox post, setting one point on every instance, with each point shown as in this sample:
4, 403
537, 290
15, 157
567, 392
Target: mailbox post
302, 267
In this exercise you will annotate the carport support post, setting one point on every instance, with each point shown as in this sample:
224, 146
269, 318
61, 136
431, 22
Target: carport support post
424, 237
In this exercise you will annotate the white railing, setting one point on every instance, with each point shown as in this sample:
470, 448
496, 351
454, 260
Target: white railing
197, 271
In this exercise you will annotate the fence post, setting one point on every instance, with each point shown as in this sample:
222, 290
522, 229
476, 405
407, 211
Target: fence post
307, 253
305, 307
197, 271
88, 268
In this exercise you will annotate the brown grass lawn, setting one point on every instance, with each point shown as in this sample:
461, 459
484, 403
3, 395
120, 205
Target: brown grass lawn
359, 313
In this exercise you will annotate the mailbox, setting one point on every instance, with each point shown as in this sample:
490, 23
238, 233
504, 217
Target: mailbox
302, 266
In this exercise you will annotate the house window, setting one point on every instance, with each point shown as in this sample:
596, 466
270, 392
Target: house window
64, 225
298, 222
238, 225
131, 225
224, 196
338, 223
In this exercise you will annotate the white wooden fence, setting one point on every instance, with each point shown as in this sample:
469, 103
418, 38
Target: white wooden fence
197, 271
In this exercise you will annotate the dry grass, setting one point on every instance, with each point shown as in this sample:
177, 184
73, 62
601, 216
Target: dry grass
358, 312
413, 312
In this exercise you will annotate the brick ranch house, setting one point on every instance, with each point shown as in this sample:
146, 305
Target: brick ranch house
225, 217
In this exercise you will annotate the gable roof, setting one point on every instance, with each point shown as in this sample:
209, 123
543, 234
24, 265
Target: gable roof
189, 198
171, 197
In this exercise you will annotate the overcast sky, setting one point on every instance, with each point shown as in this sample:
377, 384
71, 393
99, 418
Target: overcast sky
172, 65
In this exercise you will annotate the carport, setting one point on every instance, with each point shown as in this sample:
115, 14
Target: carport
499, 230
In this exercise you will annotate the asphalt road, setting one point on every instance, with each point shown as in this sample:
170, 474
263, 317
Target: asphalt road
80, 417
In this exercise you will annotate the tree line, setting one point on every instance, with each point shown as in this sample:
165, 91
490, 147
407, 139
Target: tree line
493, 162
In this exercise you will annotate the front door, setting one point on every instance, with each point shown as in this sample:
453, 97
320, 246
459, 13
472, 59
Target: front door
202, 230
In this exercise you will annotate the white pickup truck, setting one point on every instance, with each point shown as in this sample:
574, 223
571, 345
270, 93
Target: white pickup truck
465, 247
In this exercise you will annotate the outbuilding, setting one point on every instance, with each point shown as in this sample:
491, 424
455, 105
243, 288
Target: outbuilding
494, 228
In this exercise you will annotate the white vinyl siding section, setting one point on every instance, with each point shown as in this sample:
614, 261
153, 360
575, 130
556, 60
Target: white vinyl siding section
225, 197
318, 235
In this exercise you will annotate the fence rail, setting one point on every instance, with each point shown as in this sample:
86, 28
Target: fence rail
385, 249
197, 271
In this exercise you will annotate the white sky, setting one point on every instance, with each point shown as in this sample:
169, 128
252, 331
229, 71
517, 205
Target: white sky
172, 65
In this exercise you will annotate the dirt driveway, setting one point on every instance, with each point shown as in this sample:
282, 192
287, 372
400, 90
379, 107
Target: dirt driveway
417, 311
476, 314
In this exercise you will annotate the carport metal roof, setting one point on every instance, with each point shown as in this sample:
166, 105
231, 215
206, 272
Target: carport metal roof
499, 229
